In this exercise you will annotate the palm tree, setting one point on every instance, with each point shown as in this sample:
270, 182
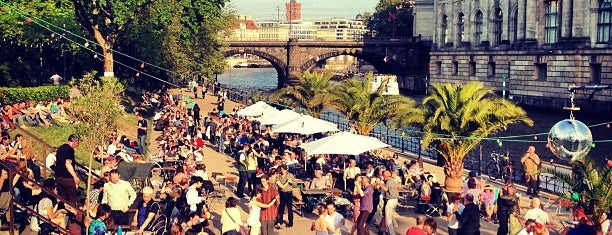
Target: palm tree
366, 108
592, 184
457, 117
304, 95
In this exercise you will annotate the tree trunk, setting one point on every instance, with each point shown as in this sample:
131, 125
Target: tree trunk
108, 62
453, 171
107, 46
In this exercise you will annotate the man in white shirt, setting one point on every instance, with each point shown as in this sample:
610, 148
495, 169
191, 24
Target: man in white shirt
335, 219
537, 214
119, 195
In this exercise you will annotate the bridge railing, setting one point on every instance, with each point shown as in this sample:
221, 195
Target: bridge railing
330, 39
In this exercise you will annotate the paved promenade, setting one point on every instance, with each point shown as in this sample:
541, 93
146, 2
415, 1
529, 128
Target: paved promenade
218, 163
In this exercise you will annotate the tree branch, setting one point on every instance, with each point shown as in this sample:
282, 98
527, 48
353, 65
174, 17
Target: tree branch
82, 16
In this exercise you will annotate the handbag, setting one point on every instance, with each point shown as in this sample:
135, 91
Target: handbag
243, 230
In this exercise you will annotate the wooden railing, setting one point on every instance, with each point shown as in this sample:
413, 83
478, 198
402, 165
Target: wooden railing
46, 148
31, 212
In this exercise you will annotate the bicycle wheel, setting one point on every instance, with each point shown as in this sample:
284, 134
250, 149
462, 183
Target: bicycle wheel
493, 171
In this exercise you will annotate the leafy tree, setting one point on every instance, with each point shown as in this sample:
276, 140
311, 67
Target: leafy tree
307, 94
393, 18
108, 21
29, 34
366, 108
459, 116
97, 112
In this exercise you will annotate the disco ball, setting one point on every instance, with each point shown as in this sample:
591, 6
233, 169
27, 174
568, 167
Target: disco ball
570, 139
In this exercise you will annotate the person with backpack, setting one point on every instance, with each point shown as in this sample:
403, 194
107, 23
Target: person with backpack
243, 174
146, 211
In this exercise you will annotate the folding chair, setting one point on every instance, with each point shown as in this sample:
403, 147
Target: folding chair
435, 203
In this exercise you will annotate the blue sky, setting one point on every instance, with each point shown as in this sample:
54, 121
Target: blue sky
311, 9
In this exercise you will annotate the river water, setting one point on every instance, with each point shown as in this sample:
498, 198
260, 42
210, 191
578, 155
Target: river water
254, 78
266, 79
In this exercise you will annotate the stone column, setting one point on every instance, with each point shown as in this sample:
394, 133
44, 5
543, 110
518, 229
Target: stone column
521, 17
294, 72
532, 19
567, 19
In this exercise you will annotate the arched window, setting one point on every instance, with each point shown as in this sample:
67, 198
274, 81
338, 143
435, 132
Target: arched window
551, 29
498, 20
514, 25
460, 27
444, 33
477, 27
604, 21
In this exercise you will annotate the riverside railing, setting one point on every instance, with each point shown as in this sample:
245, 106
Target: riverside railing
408, 139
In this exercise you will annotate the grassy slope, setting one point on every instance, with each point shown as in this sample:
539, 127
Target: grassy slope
56, 136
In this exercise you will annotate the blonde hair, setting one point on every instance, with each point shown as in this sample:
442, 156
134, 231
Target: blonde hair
147, 190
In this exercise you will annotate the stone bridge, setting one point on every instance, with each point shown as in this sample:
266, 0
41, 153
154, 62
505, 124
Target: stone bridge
407, 58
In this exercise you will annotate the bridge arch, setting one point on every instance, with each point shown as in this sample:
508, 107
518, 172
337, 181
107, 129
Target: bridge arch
390, 66
278, 64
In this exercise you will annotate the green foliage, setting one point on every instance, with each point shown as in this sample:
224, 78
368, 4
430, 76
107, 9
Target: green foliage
393, 18
366, 108
97, 110
459, 116
585, 173
43, 93
307, 94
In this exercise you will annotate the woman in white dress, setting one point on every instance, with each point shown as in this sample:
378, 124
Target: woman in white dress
254, 212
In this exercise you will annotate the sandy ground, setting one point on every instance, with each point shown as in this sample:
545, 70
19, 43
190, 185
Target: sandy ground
221, 164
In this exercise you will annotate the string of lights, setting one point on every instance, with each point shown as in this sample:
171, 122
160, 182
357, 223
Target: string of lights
47, 25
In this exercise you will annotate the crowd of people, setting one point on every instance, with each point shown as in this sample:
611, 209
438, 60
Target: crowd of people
272, 171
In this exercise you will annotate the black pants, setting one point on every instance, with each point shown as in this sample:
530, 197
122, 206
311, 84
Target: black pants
503, 223
362, 220
286, 201
242, 179
452, 231
67, 189
121, 218
252, 181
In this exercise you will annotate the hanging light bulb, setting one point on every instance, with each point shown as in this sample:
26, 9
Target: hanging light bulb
499, 143
86, 44
138, 74
52, 35
29, 20
593, 145
535, 137
96, 56
142, 66
608, 126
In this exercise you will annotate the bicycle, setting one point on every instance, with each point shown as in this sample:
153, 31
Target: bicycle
500, 168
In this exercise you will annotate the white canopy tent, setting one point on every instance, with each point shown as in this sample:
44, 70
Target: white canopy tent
283, 116
256, 110
305, 125
343, 143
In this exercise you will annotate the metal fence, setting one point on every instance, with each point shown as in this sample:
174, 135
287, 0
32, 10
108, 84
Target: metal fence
408, 139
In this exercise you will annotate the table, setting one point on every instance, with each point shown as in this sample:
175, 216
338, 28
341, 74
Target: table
314, 192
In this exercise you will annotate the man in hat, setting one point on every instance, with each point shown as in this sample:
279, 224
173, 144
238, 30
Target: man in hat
65, 173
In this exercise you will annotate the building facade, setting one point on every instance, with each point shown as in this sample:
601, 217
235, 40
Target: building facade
345, 29
536, 48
